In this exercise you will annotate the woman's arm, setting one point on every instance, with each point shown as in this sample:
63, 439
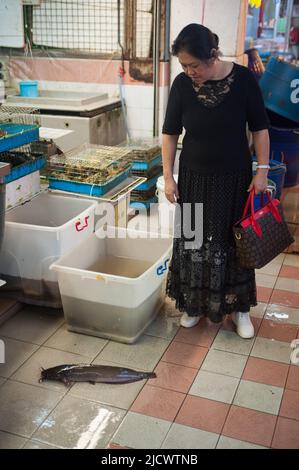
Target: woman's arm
169, 145
262, 150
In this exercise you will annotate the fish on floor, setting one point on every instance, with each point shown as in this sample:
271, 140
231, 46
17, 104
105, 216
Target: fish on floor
68, 373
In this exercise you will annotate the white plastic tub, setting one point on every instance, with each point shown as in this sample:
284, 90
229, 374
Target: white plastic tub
36, 234
114, 287
166, 210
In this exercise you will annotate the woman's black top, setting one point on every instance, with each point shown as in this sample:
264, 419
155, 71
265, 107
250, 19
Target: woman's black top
215, 116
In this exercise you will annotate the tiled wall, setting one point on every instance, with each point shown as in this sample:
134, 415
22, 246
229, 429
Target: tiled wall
98, 76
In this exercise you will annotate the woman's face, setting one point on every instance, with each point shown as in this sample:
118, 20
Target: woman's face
196, 69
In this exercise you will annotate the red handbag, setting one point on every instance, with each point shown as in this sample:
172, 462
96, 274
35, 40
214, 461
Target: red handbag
263, 234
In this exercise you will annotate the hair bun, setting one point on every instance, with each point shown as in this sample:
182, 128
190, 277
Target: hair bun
216, 39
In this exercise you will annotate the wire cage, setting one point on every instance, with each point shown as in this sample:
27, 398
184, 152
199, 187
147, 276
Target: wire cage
140, 195
18, 126
143, 149
20, 115
23, 160
92, 164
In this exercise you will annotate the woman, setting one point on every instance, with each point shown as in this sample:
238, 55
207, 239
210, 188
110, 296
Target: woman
214, 101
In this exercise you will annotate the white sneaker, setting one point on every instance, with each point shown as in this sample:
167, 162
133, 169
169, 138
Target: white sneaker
188, 321
243, 323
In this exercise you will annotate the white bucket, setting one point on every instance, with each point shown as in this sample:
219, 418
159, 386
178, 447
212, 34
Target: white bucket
166, 209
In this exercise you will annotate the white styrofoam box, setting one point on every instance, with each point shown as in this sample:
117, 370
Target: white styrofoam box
36, 234
114, 306
22, 189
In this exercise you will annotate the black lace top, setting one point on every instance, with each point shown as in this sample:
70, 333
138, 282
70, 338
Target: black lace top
215, 116
213, 92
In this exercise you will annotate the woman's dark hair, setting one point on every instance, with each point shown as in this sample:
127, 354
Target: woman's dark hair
197, 40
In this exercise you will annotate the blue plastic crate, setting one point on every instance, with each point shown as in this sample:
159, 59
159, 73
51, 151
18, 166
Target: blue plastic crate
25, 169
146, 165
95, 190
148, 184
143, 204
17, 135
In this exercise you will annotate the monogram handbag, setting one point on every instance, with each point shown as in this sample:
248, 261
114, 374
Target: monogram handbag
263, 234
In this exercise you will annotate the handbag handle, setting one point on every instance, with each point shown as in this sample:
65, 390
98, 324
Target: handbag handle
273, 209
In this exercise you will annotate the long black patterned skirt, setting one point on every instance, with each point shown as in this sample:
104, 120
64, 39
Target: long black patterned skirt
207, 280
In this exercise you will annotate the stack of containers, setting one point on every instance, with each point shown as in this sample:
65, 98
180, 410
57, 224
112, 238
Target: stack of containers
19, 128
39, 226
146, 160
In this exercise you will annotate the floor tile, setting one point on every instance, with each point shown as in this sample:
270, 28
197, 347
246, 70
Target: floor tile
284, 283
119, 395
8, 308
260, 397
272, 350
113, 445
184, 437
79, 424
141, 432
202, 334
214, 386
76, 343
225, 363
16, 398
259, 310
231, 342
202, 413
265, 280
284, 297
293, 378
290, 405
173, 377
44, 358
279, 331
291, 272
185, 354
229, 443
32, 324
2, 381
32, 444
158, 402
143, 355
16, 353
292, 260
286, 434
11, 441
282, 314
250, 425
167, 322
263, 293
266, 372
274, 266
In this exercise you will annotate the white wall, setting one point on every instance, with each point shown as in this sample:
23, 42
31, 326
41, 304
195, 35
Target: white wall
226, 18
183, 12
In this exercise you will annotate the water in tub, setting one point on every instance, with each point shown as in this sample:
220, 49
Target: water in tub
120, 266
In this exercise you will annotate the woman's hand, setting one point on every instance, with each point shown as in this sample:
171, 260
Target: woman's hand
259, 182
171, 189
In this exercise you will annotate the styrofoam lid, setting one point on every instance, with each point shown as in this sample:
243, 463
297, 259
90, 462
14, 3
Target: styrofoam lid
161, 183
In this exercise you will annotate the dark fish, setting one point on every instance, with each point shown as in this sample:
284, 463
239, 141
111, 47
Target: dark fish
68, 373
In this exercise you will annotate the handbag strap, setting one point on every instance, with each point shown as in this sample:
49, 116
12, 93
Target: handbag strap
273, 209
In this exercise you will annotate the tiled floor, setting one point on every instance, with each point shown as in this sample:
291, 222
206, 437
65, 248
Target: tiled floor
213, 389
